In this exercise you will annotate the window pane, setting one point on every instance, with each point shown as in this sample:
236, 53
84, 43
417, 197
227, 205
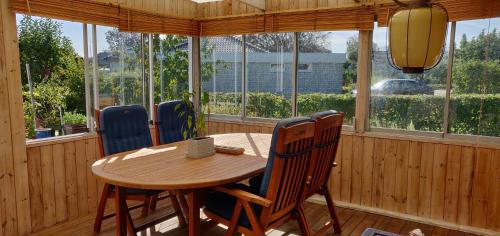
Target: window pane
51, 53
405, 101
475, 97
327, 73
121, 68
269, 73
171, 67
221, 73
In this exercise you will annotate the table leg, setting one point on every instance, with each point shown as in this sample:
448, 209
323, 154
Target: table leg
120, 209
194, 213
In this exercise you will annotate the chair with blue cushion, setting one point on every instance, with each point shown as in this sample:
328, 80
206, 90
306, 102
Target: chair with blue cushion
253, 211
171, 123
327, 136
121, 129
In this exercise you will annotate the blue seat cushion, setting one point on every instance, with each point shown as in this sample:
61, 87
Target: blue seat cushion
323, 114
272, 150
171, 123
124, 128
223, 205
134, 191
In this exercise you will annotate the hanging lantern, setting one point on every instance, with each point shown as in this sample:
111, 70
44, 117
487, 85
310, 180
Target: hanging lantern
417, 34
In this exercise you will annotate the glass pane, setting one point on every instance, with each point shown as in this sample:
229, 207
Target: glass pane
475, 97
171, 67
327, 73
405, 101
269, 73
51, 56
120, 60
221, 73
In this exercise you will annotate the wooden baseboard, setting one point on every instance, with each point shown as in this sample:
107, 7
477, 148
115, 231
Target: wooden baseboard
468, 229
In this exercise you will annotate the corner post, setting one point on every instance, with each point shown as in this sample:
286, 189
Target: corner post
363, 81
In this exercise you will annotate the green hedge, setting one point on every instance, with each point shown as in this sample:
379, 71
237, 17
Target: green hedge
413, 112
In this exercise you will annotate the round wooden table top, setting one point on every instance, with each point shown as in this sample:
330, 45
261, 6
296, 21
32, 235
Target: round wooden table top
166, 167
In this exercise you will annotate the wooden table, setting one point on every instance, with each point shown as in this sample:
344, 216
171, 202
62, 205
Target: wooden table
166, 167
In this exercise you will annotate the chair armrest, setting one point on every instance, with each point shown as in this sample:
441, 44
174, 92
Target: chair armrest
334, 164
244, 195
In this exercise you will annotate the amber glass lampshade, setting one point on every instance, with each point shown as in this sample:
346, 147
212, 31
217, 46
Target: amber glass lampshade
417, 37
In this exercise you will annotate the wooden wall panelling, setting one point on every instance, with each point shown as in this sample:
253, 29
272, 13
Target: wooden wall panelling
414, 162
401, 181
92, 193
425, 182
60, 182
389, 174
48, 193
71, 183
35, 188
467, 160
335, 181
438, 181
367, 171
378, 173
14, 179
357, 171
346, 177
480, 187
81, 177
452, 183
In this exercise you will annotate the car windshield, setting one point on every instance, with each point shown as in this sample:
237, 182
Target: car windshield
378, 85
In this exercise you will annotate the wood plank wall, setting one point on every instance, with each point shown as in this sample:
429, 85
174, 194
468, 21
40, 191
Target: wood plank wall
178, 8
457, 184
62, 186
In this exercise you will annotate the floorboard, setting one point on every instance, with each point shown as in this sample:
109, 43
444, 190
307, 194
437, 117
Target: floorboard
353, 223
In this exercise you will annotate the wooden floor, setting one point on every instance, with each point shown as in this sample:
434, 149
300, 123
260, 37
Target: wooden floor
353, 223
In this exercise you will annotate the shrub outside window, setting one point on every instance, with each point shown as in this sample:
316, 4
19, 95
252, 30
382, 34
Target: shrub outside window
475, 95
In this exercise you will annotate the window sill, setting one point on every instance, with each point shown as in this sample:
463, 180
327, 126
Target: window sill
60, 139
431, 137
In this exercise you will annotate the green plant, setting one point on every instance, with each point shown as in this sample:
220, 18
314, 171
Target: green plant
74, 118
199, 128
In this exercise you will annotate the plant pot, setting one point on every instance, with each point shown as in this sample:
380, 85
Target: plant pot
43, 133
200, 147
75, 128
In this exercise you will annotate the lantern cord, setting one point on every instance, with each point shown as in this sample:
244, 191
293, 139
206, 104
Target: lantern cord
483, 87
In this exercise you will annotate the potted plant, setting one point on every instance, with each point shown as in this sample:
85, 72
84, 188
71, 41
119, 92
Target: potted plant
199, 145
75, 123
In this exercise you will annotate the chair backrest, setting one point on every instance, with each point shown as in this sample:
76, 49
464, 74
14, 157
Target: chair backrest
170, 124
285, 174
123, 128
326, 141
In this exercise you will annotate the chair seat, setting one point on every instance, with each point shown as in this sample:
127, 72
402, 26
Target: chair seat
134, 191
222, 205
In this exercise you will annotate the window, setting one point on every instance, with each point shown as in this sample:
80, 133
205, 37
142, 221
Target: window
221, 69
475, 94
268, 92
331, 84
171, 67
121, 68
405, 101
304, 67
52, 73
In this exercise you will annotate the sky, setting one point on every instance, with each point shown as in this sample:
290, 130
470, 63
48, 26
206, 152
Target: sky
338, 39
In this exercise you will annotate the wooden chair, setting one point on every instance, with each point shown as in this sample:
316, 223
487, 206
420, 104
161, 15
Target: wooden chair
121, 129
169, 127
326, 140
246, 210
